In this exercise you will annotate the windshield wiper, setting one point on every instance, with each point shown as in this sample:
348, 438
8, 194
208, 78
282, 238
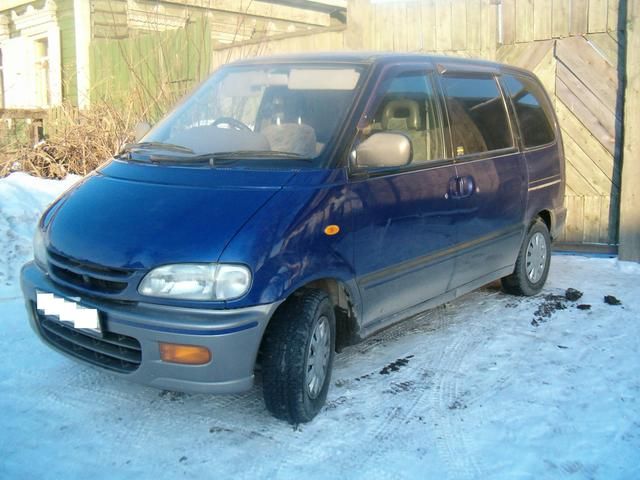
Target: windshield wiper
226, 158
171, 147
256, 154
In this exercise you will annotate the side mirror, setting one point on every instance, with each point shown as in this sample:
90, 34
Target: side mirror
140, 130
384, 149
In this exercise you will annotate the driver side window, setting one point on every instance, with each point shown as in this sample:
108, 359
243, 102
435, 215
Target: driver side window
407, 104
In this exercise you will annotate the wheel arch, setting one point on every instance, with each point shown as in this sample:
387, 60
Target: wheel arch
344, 301
546, 217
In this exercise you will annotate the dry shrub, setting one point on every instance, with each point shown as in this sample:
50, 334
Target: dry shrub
77, 141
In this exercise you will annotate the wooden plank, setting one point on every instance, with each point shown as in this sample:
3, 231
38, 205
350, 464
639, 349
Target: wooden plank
561, 16
579, 171
474, 30
569, 190
591, 222
533, 53
588, 65
399, 17
608, 219
508, 22
602, 158
255, 8
590, 121
459, 30
357, 15
489, 21
428, 25
575, 219
510, 54
629, 232
606, 46
579, 17
367, 24
384, 12
443, 25
22, 113
11, 4
614, 218
524, 20
542, 23
414, 32
613, 15
546, 72
597, 118
598, 10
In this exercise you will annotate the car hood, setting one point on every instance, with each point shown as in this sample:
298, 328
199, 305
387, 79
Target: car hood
116, 219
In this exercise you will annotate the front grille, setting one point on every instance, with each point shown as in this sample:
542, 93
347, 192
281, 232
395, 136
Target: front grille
88, 281
112, 351
90, 277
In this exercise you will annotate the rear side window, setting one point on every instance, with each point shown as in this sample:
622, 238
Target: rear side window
477, 114
528, 102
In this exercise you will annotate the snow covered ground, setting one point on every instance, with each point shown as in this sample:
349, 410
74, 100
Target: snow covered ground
469, 390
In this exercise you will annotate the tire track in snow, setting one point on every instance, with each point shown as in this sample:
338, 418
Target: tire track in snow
455, 445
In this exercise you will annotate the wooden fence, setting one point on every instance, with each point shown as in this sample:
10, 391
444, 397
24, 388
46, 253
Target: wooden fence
574, 46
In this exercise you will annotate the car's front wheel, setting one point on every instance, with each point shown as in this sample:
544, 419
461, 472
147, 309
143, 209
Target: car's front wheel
297, 356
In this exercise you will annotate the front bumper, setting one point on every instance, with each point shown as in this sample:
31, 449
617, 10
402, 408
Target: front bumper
233, 337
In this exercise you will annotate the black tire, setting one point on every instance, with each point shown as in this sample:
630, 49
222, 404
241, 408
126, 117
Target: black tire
519, 282
286, 352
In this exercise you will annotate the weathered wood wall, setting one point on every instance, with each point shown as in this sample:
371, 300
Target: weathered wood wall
574, 45
466, 27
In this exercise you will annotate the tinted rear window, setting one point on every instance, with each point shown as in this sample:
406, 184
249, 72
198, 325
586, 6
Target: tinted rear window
528, 102
477, 114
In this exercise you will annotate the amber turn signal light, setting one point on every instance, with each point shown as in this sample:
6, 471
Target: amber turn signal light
331, 230
186, 354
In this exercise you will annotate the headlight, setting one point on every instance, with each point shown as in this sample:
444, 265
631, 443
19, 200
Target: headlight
39, 250
197, 281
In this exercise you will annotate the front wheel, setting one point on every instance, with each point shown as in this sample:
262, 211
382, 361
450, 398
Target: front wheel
298, 351
532, 265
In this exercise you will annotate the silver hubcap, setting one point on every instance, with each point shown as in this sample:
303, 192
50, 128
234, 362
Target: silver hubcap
318, 357
536, 257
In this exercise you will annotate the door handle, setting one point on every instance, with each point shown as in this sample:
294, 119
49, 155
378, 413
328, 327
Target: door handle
466, 186
461, 187
453, 191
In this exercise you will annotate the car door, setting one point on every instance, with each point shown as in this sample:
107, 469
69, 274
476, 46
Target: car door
403, 225
491, 177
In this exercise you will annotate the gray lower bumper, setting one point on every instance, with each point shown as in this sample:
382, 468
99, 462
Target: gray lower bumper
233, 337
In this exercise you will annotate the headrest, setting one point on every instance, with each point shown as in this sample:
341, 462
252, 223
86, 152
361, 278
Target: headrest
405, 109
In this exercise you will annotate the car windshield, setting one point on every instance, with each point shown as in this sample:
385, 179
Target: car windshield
276, 112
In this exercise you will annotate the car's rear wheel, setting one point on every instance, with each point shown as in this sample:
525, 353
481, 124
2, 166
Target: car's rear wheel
297, 356
532, 265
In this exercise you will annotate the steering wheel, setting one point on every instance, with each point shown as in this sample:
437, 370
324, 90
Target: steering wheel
233, 123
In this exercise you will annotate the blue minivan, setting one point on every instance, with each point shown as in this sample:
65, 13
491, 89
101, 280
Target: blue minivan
292, 206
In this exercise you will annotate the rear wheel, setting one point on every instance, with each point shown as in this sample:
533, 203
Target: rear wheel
532, 266
298, 352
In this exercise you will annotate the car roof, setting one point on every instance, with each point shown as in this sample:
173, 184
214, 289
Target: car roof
443, 63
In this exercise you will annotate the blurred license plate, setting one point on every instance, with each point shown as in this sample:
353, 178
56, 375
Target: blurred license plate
68, 311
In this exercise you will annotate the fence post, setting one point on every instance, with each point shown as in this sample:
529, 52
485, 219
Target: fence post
630, 193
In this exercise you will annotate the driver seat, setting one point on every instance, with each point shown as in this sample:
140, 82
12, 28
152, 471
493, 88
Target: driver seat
404, 116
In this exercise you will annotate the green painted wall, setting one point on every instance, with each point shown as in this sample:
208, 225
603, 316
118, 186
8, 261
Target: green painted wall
68, 51
150, 71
